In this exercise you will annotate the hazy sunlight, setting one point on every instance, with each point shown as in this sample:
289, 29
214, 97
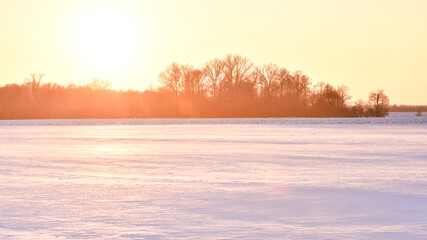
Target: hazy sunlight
107, 40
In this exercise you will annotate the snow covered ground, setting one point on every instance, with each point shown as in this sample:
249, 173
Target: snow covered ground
362, 178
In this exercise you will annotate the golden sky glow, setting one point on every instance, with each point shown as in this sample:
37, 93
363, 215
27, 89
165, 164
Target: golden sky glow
363, 44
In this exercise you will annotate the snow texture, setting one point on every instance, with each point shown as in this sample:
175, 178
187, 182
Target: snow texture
354, 178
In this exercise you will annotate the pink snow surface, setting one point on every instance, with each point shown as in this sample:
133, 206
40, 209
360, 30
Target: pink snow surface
214, 179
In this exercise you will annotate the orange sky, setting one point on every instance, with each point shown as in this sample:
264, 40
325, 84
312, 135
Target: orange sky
363, 44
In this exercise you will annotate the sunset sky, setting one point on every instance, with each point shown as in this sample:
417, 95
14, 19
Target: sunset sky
363, 44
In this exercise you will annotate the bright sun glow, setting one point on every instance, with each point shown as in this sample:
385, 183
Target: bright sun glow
107, 40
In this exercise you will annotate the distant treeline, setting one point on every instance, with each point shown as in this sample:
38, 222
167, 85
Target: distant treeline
229, 87
408, 108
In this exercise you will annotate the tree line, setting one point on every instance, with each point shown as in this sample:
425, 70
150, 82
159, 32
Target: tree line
408, 108
229, 87
235, 87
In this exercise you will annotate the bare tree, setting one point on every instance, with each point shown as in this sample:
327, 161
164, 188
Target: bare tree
199, 82
237, 75
171, 78
187, 79
285, 79
193, 83
99, 85
343, 94
269, 77
213, 72
34, 82
361, 108
330, 95
300, 86
379, 101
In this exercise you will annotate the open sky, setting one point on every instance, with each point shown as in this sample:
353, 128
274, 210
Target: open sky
364, 44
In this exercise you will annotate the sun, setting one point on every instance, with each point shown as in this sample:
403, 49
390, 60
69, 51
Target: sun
107, 39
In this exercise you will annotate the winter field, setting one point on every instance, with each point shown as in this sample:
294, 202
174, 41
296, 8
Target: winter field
363, 178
